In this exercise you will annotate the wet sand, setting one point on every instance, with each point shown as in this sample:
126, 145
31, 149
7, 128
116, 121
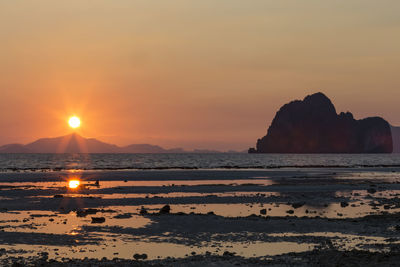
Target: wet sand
307, 216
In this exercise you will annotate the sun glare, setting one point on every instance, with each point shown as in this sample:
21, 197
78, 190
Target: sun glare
74, 122
74, 184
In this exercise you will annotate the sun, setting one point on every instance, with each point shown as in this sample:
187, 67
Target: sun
74, 122
74, 184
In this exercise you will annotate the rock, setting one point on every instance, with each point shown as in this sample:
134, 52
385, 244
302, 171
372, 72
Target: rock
143, 211
263, 211
298, 205
98, 219
165, 210
138, 256
123, 216
58, 196
83, 213
344, 204
230, 254
371, 190
290, 211
313, 126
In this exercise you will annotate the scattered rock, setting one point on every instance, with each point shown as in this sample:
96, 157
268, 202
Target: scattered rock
290, 211
230, 254
123, 216
344, 204
98, 219
165, 210
298, 205
371, 190
263, 211
83, 213
138, 256
58, 196
143, 210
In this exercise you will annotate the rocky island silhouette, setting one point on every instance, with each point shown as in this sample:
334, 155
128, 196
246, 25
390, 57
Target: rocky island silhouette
313, 126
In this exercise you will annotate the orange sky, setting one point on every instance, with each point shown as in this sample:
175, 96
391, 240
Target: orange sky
193, 74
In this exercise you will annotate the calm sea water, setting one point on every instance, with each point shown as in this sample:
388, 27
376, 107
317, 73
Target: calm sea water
39, 162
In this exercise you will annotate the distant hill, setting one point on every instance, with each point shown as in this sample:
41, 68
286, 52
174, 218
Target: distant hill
74, 143
313, 126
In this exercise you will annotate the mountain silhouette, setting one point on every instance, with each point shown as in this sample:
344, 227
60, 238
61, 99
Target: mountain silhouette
74, 143
396, 139
313, 126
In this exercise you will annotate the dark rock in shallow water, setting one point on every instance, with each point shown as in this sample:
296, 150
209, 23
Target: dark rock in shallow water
371, 190
143, 211
313, 126
298, 205
98, 219
137, 256
344, 204
166, 209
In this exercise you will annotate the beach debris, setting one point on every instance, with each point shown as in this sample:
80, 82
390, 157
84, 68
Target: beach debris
165, 210
298, 205
98, 219
138, 256
143, 210
344, 204
263, 211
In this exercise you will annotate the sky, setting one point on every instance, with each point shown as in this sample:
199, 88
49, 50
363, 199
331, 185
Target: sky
195, 74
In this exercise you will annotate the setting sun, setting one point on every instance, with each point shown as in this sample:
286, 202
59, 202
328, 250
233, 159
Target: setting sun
74, 184
74, 122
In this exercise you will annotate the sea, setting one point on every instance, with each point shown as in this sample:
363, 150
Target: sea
190, 161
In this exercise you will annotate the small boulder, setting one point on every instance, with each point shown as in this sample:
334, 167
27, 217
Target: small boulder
371, 190
263, 211
143, 211
298, 205
98, 219
138, 256
165, 210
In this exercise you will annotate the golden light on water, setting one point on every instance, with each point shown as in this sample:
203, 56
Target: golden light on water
74, 184
74, 122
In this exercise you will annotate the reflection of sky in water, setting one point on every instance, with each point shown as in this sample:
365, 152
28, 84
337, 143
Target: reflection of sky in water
125, 249
276, 204
112, 184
